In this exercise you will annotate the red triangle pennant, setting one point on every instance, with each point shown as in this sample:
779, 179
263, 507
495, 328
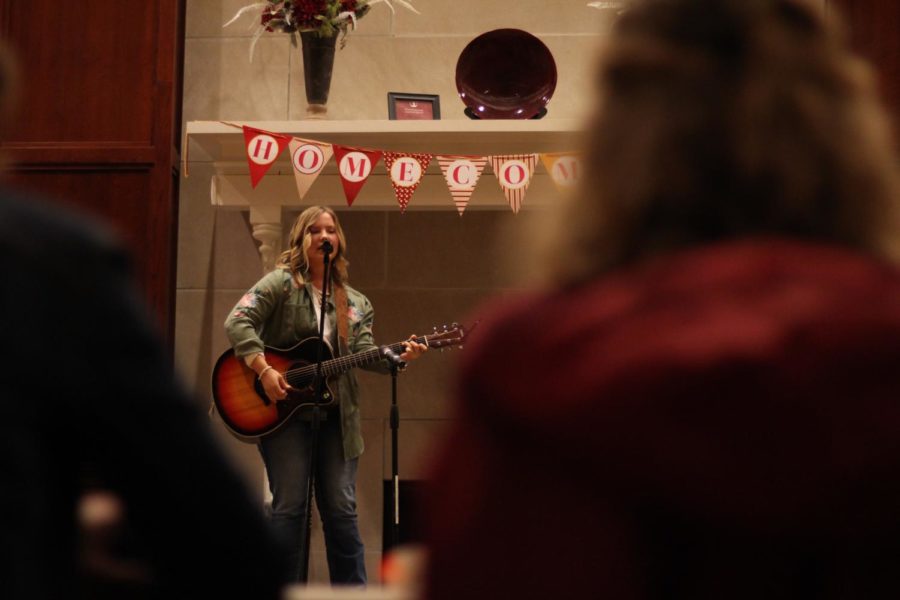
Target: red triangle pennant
406, 172
263, 149
355, 165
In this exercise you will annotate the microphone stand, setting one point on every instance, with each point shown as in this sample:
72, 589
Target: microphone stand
316, 417
397, 364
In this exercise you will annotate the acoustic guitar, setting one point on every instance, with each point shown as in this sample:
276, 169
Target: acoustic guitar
249, 413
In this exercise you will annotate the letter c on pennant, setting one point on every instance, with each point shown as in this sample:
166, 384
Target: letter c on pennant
460, 174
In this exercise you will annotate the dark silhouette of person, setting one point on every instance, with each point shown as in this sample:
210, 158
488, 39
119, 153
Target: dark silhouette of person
89, 402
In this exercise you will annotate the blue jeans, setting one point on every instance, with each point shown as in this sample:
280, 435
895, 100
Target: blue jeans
286, 456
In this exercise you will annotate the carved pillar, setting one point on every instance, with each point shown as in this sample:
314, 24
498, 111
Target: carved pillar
266, 224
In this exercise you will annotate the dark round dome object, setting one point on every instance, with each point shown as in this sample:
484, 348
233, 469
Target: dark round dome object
505, 74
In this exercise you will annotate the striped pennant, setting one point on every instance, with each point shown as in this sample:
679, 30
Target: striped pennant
514, 173
461, 174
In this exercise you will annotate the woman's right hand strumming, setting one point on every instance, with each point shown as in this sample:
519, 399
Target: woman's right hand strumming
274, 384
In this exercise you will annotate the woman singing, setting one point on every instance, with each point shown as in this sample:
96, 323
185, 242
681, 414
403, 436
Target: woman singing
282, 309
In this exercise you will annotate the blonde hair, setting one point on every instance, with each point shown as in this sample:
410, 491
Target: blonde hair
295, 258
726, 118
296, 261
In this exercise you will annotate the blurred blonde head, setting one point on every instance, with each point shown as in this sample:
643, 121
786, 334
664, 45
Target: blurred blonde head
719, 119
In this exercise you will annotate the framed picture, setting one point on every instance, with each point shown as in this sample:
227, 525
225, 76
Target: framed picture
413, 107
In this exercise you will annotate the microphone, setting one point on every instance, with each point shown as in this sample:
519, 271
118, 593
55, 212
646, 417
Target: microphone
326, 249
392, 357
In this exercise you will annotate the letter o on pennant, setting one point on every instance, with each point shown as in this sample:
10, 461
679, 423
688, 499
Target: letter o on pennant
514, 174
308, 159
263, 149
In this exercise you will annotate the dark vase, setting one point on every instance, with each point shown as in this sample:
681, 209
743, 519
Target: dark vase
318, 61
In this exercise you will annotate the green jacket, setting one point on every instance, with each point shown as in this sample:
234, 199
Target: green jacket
275, 312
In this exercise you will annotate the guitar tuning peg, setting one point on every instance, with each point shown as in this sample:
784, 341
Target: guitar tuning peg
455, 325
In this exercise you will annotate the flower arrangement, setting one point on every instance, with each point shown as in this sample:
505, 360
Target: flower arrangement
326, 18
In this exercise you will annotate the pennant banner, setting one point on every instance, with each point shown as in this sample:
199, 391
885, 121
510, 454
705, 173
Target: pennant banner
355, 165
514, 173
406, 173
461, 174
263, 149
308, 159
564, 169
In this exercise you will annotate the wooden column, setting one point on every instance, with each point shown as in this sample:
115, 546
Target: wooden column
100, 120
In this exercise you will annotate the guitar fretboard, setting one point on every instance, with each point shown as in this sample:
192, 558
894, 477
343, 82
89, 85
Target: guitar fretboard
303, 376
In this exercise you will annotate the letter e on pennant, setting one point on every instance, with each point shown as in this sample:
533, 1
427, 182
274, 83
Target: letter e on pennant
406, 172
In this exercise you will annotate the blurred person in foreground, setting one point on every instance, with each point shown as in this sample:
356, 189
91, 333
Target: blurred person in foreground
88, 402
705, 403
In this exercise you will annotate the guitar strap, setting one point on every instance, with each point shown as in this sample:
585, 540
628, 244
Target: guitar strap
342, 317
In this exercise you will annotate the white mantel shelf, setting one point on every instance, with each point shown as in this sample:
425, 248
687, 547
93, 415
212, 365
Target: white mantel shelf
215, 144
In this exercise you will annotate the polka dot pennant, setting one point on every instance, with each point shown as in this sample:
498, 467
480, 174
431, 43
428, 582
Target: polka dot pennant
406, 171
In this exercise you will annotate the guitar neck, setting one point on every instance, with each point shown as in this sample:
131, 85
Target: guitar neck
342, 364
